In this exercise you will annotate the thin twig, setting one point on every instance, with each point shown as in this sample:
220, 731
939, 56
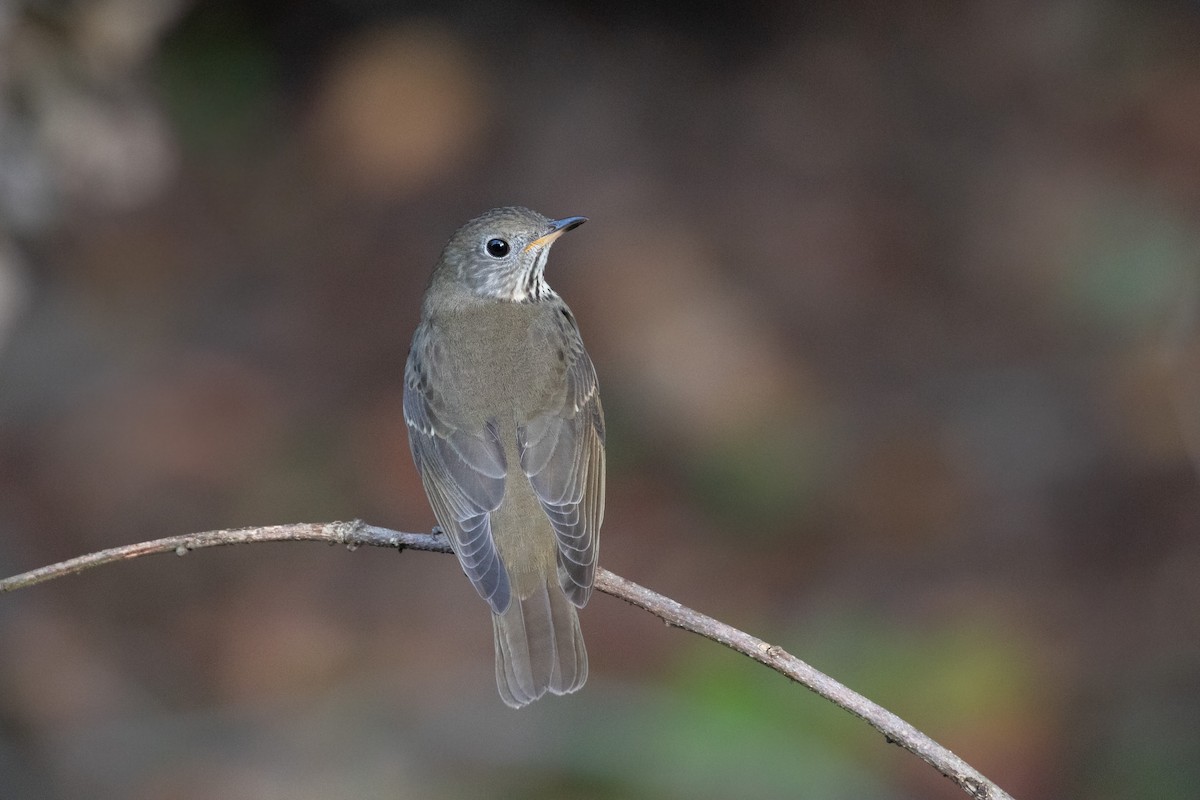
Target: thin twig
356, 534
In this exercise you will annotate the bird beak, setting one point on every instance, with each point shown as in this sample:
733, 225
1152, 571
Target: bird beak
557, 228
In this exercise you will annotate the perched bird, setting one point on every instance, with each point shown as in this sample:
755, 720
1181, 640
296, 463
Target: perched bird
506, 429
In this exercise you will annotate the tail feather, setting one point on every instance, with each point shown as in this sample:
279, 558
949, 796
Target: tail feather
539, 647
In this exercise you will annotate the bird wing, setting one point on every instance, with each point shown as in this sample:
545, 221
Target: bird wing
463, 471
562, 453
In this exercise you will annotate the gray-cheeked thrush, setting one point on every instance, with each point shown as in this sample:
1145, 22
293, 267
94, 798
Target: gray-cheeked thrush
507, 431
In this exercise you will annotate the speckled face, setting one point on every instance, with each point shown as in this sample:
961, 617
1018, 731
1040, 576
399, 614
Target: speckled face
502, 253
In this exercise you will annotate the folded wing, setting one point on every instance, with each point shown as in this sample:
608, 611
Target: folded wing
463, 471
562, 453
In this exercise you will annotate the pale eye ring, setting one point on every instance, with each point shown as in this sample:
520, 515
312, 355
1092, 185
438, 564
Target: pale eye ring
497, 248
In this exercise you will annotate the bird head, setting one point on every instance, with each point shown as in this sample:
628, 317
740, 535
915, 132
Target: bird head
502, 253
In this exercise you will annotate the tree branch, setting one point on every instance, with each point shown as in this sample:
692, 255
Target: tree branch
355, 534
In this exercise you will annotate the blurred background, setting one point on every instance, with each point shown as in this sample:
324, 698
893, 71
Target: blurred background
893, 307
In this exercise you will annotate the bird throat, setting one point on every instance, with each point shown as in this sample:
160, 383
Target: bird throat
523, 286
534, 287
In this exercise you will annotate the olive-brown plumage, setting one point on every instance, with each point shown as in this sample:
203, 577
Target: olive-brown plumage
507, 431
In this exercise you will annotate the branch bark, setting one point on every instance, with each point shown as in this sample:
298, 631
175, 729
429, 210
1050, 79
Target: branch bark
356, 534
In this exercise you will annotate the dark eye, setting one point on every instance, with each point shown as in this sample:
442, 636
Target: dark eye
497, 248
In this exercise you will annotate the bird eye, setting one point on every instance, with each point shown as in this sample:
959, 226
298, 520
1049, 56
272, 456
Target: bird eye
497, 248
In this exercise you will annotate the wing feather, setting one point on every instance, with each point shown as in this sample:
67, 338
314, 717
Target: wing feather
463, 472
562, 453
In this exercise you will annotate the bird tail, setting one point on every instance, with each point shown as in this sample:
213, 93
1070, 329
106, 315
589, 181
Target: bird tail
538, 646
